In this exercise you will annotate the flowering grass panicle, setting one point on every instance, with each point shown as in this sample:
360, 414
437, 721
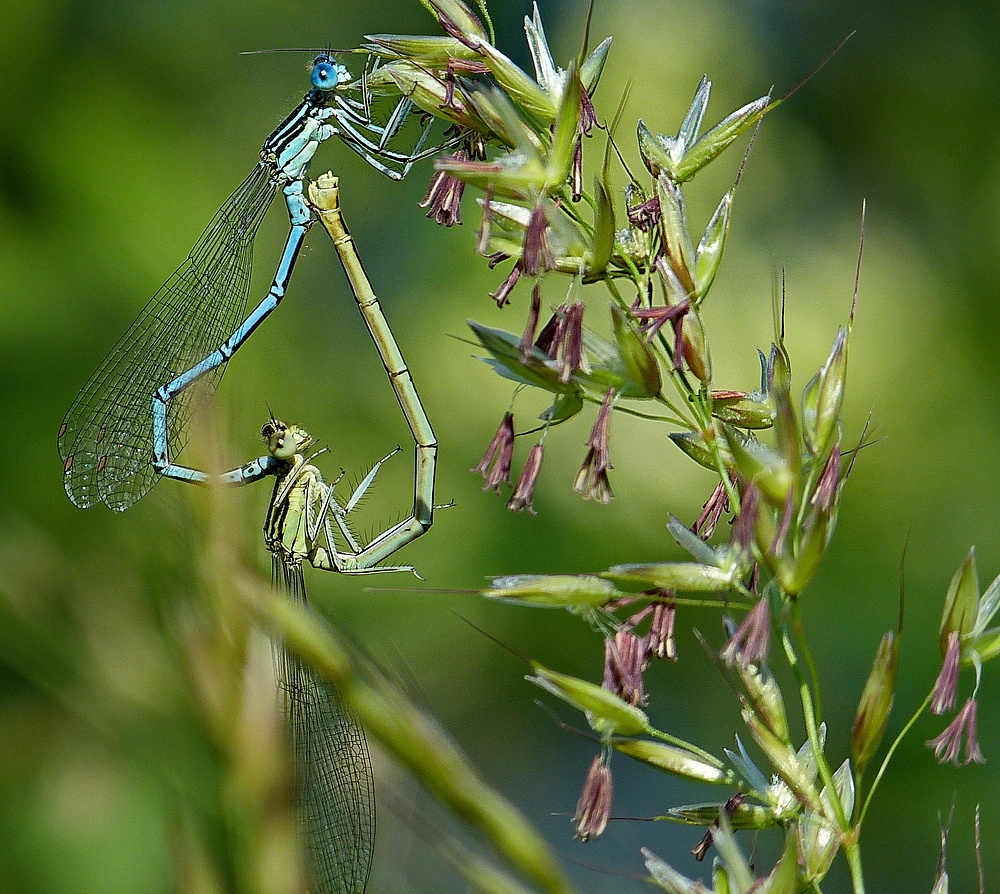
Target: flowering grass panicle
778, 451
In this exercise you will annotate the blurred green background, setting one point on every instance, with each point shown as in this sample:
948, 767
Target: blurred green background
124, 125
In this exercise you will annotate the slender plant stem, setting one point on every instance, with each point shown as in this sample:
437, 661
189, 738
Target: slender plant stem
852, 851
807, 656
888, 756
812, 730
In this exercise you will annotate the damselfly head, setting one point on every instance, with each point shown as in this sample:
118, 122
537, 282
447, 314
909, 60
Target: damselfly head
327, 73
284, 441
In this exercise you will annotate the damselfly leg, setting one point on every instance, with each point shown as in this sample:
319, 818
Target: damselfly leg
119, 434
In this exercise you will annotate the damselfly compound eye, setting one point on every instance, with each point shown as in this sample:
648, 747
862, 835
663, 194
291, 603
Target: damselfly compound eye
327, 74
112, 447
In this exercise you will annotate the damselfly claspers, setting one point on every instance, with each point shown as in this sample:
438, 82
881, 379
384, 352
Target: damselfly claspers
305, 523
119, 433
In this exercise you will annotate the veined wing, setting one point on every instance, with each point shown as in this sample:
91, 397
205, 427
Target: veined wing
336, 793
105, 440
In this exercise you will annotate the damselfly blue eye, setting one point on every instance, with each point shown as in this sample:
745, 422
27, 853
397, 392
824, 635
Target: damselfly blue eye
117, 437
327, 74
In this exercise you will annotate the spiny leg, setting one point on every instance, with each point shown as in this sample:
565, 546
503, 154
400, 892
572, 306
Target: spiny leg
359, 113
340, 512
366, 482
297, 526
375, 153
113, 448
329, 558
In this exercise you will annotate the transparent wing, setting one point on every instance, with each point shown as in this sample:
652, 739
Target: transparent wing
105, 440
336, 791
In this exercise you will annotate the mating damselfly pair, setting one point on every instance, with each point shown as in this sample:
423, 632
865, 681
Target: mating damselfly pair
120, 433
124, 429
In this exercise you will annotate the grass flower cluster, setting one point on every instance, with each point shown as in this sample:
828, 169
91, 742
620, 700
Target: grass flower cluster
545, 165
522, 142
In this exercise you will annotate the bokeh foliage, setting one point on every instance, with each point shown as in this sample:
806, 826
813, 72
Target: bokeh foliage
123, 127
